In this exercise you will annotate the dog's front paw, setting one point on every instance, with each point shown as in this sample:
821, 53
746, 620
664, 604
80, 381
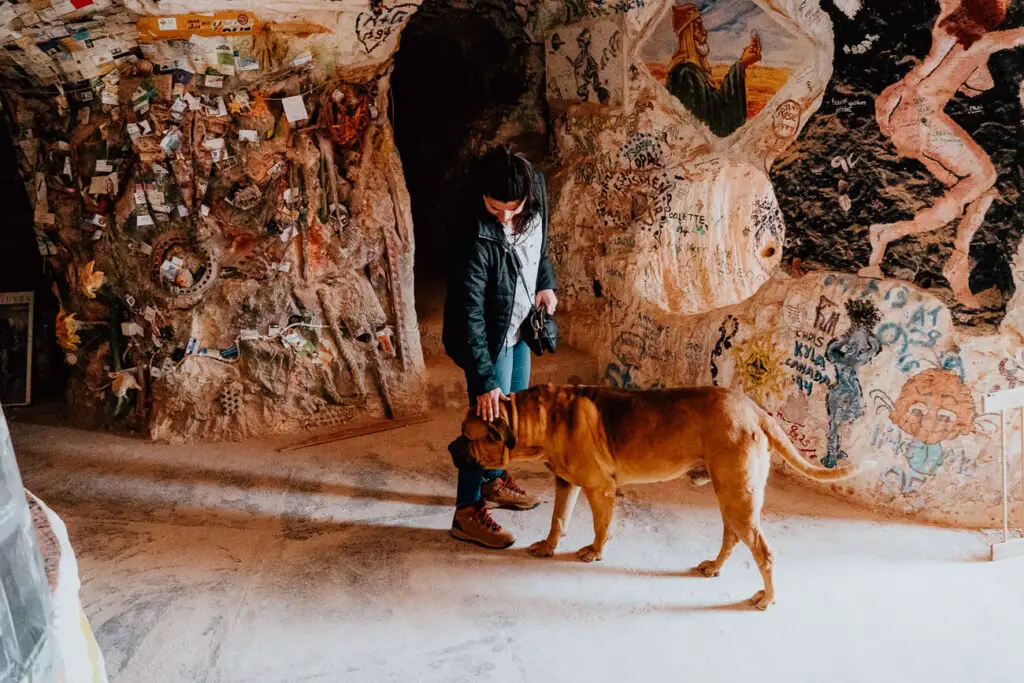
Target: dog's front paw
542, 549
761, 601
589, 554
708, 568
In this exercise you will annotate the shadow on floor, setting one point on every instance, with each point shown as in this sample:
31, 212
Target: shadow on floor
163, 473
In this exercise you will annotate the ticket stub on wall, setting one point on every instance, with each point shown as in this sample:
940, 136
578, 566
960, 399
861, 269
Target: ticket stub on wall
184, 26
586, 64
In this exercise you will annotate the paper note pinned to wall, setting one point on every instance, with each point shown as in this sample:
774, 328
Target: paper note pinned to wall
295, 108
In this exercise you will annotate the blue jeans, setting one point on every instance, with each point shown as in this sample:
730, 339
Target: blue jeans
512, 370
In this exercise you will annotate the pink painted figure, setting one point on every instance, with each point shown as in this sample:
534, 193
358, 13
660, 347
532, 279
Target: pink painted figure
911, 114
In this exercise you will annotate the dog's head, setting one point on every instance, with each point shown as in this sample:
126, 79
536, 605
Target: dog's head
490, 443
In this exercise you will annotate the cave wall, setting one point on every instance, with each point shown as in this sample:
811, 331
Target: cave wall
467, 76
222, 209
845, 175
672, 220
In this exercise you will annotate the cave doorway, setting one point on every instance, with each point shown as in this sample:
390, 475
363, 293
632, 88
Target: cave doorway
466, 76
32, 367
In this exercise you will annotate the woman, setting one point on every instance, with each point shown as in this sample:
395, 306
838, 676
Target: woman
502, 271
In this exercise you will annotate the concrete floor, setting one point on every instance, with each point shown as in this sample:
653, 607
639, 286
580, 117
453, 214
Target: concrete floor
228, 563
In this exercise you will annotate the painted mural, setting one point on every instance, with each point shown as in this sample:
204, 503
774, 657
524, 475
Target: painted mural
934, 408
911, 168
911, 113
586, 64
722, 60
656, 229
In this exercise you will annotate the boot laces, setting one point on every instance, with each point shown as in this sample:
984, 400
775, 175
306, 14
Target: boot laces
509, 484
484, 518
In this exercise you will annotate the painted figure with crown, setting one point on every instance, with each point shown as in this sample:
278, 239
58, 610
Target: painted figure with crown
723, 109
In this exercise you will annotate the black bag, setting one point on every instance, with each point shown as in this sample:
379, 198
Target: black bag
539, 330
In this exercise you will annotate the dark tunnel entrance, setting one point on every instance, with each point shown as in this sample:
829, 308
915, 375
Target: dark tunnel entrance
462, 81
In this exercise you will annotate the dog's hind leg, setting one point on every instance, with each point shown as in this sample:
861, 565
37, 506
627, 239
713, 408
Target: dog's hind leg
743, 514
602, 501
729, 541
765, 561
565, 500
739, 482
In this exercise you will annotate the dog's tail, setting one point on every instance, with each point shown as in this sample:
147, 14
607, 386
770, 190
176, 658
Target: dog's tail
780, 443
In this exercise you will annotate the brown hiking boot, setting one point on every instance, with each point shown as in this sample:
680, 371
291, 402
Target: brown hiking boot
474, 524
504, 492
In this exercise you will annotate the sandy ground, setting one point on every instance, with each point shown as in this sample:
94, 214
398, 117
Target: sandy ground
231, 562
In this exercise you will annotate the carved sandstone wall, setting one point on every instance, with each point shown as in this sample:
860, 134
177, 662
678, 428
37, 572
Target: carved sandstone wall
673, 208
668, 236
222, 207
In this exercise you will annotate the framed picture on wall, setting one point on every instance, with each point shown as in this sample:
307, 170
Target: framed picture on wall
16, 310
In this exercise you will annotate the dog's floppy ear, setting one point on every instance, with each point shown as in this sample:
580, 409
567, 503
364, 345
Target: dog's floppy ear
475, 429
504, 430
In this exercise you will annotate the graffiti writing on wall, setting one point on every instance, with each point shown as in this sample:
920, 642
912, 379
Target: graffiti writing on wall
1012, 371
580, 9
629, 349
846, 163
786, 120
918, 333
808, 363
826, 315
766, 215
595, 170
640, 197
373, 28
642, 150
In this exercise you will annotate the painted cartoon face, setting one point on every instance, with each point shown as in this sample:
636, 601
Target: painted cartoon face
934, 406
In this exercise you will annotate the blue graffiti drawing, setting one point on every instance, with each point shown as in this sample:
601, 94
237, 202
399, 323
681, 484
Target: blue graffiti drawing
848, 353
620, 378
629, 349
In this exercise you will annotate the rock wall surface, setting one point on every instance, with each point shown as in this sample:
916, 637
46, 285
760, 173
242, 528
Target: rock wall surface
248, 270
221, 203
676, 208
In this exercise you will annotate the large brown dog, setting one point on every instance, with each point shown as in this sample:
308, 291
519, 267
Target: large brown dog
598, 439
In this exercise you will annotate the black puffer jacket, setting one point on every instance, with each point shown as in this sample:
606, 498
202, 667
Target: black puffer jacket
481, 291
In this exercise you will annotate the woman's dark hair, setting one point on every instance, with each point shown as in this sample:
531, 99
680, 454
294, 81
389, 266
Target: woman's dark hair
509, 177
973, 19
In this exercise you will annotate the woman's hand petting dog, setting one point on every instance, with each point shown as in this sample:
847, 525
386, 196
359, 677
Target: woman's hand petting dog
488, 405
